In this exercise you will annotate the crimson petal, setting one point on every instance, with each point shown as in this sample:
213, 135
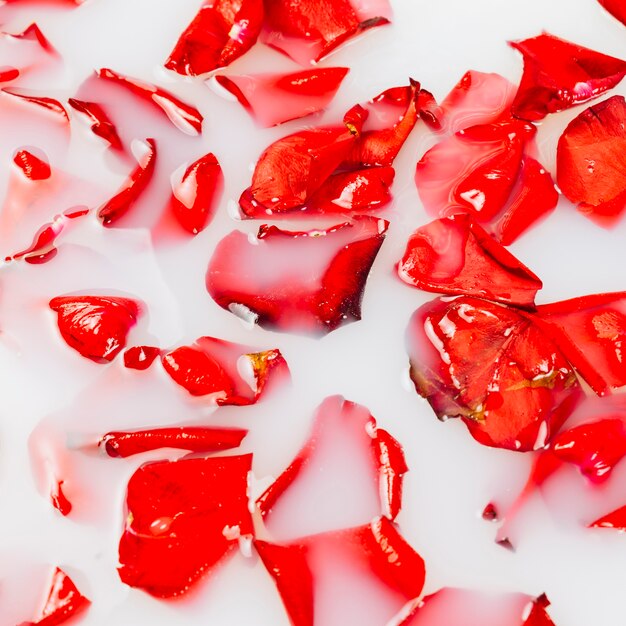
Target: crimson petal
191, 438
591, 160
183, 518
140, 357
95, 326
33, 167
276, 98
64, 601
615, 519
221, 32
559, 74
454, 255
616, 8
310, 29
51, 104
195, 196
211, 367
101, 124
494, 368
319, 576
260, 281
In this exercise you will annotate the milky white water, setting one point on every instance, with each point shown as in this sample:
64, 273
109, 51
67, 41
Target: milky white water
45, 384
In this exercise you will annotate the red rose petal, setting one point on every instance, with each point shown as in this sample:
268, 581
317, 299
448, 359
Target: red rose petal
276, 98
195, 196
212, 367
344, 453
140, 357
51, 104
116, 207
591, 160
191, 438
494, 368
221, 32
296, 281
64, 601
616, 8
101, 125
454, 255
95, 326
30, 50
309, 30
595, 447
33, 167
8, 73
616, 520
183, 518
357, 576
291, 169
559, 74
184, 116
591, 333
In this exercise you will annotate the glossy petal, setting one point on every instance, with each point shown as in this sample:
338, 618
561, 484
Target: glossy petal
344, 453
116, 207
591, 160
591, 333
212, 367
140, 357
192, 438
276, 98
494, 368
184, 116
310, 29
309, 282
33, 167
362, 575
559, 74
101, 124
195, 196
617, 8
293, 168
221, 32
183, 518
50, 104
64, 601
616, 520
95, 326
454, 255
595, 447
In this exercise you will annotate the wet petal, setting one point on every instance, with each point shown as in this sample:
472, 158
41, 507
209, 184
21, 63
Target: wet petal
101, 125
616, 8
140, 357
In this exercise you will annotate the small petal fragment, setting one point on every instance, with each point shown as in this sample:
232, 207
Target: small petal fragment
309, 282
194, 197
192, 438
101, 124
95, 326
454, 255
183, 518
616, 520
221, 32
559, 74
494, 368
140, 357
276, 98
33, 167
591, 160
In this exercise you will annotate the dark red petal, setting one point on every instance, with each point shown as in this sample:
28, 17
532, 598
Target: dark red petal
33, 167
595, 447
43, 101
362, 575
184, 116
101, 124
140, 357
183, 518
559, 74
95, 326
8, 73
391, 116
538, 615
494, 368
591, 333
191, 438
310, 29
115, 208
616, 519
33, 32
477, 99
591, 160
343, 433
64, 601
296, 281
454, 255
221, 32
291, 169
617, 8
276, 98
213, 367
195, 196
